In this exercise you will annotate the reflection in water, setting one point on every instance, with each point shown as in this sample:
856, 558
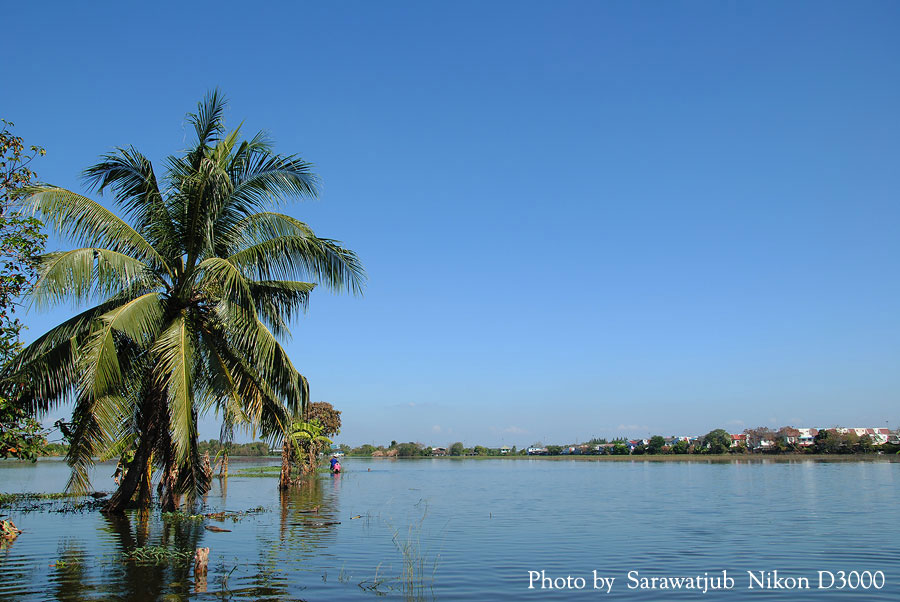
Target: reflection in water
6, 543
305, 503
69, 582
136, 581
263, 556
223, 487
485, 522
308, 516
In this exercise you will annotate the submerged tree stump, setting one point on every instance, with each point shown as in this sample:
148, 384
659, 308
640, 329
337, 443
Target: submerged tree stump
201, 561
8, 530
201, 565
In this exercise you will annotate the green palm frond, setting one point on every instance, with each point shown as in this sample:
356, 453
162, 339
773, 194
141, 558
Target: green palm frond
191, 298
118, 447
131, 177
46, 380
174, 350
273, 245
90, 224
44, 373
265, 179
88, 274
207, 121
278, 302
252, 340
97, 424
252, 402
219, 278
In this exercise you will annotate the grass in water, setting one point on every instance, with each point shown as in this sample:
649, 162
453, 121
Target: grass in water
178, 516
66, 503
257, 471
268, 471
416, 581
9, 499
158, 555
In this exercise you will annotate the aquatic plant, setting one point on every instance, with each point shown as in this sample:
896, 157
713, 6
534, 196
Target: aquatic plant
179, 516
419, 568
48, 502
8, 499
158, 555
257, 471
8, 530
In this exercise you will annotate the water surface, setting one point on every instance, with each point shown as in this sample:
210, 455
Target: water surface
473, 530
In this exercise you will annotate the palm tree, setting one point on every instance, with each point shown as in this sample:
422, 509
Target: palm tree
303, 440
189, 296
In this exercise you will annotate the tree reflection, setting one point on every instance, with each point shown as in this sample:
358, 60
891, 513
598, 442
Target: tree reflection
69, 580
305, 506
136, 581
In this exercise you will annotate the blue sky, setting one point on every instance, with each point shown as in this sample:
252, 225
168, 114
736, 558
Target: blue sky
578, 219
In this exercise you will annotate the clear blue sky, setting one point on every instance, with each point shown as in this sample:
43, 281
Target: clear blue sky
578, 218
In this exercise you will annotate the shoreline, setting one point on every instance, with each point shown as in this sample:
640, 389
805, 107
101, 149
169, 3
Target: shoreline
755, 458
663, 458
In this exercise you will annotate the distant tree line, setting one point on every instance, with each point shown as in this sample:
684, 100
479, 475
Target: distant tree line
715, 442
214, 446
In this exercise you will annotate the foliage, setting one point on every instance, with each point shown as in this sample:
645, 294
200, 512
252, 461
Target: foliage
619, 449
9, 499
308, 440
787, 431
188, 294
681, 447
411, 450
757, 435
158, 555
325, 414
21, 241
656, 444
865, 444
56, 449
457, 449
214, 446
717, 441
21, 436
258, 471
831, 441
364, 450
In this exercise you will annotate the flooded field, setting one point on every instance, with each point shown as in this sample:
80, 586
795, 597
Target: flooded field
469, 530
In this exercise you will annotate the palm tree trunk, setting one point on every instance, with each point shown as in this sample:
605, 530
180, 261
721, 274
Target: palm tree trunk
285, 481
170, 500
137, 472
207, 466
145, 496
223, 467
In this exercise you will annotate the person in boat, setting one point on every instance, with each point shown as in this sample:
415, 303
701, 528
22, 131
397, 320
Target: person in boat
335, 465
